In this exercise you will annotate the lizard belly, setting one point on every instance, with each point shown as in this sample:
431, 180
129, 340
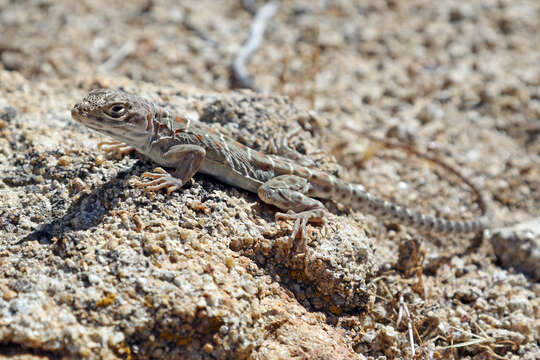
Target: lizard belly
229, 176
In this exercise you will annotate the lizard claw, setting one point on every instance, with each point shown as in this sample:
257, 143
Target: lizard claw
301, 220
161, 179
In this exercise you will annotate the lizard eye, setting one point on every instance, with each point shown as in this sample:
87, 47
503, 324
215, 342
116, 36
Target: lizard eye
116, 110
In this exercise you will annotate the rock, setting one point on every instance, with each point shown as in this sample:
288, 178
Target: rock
518, 247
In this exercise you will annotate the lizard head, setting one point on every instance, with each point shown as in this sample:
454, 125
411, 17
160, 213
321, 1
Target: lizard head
123, 116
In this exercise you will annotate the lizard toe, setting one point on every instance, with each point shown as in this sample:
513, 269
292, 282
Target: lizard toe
161, 179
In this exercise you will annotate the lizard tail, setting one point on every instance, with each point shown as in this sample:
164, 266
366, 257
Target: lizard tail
387, 210
356, 197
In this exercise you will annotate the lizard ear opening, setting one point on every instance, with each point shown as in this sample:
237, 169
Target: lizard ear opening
116, 110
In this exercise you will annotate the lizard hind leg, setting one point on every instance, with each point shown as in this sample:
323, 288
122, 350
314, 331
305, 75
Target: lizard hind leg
291, 193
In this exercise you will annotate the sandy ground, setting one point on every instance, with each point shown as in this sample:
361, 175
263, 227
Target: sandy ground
93, 267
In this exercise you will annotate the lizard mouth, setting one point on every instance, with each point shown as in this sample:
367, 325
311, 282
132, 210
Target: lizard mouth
84, 119
78, 113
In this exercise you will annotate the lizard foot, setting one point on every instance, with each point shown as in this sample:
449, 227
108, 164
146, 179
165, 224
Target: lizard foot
280, 145
114, 149
161, 180
301, 219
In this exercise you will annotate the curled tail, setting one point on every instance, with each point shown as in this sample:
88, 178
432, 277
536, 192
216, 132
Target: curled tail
387, 210
355, 196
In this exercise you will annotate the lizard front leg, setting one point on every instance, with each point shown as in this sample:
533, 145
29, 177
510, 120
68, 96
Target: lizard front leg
185, 158
291, 193
114, 148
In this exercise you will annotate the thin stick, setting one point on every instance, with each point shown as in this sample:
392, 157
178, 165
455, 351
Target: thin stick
116, 58
241, 76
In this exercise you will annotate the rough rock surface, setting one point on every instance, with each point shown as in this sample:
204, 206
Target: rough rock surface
518, 247
92, 267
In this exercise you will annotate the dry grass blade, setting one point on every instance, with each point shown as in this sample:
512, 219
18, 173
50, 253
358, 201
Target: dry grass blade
482, 342
403, 309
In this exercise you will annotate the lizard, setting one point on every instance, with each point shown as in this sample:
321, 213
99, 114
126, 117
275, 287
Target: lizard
175, 141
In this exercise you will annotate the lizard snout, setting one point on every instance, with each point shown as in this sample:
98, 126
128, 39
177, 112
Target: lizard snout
77, 112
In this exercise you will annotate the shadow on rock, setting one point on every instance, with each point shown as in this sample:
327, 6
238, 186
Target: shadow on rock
84, 213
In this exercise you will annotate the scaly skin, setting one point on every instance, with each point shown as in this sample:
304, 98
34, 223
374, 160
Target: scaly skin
188, 146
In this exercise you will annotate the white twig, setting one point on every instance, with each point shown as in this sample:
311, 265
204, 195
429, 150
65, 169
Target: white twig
116, 58
240, 74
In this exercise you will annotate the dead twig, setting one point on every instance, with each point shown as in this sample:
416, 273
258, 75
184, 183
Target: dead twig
115, 59
240, 75
483, 342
